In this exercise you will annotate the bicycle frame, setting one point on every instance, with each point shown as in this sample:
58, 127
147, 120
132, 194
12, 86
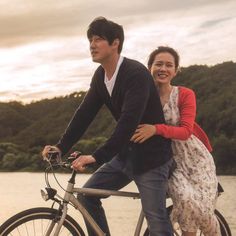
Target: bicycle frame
70, 198
52, 220
55, 220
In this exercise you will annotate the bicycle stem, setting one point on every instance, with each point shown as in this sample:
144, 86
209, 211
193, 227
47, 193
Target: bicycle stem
72, 179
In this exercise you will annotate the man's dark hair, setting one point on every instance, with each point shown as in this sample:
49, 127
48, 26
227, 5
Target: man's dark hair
108, 30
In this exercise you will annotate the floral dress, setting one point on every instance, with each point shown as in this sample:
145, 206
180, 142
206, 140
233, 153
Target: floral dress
193, 185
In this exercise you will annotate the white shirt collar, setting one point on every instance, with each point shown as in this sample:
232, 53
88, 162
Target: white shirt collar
110, 83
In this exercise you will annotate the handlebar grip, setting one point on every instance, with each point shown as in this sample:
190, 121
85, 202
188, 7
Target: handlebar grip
76, 155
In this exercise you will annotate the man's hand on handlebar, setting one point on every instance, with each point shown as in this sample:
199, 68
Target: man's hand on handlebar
78, 162
51, 153
82, 162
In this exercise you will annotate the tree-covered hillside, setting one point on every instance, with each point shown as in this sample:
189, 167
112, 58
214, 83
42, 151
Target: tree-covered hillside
25, 129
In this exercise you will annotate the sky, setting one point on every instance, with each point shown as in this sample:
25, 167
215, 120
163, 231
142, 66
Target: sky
44, 52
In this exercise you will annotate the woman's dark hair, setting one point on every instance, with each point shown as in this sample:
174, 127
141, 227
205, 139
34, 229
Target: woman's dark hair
106, 29
161, 49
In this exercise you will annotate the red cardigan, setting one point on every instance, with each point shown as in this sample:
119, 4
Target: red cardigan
187, 126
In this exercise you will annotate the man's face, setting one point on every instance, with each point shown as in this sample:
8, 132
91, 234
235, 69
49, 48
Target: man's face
100, 49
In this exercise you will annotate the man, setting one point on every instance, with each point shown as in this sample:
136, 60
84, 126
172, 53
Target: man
126, 87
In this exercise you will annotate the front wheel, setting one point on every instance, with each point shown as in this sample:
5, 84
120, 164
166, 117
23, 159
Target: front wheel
224, 227
38, 222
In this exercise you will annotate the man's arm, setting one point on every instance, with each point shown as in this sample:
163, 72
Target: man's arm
134, 105
82, 118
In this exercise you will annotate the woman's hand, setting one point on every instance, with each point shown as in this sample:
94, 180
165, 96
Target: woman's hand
143, 132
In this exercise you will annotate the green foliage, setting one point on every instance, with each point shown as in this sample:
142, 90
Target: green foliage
225, 157
12, 161
13, 158
90, 145
215, 89
8, 126
25, 129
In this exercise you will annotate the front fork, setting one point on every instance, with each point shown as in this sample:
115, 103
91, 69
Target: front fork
62, 212
58, 220
62, 219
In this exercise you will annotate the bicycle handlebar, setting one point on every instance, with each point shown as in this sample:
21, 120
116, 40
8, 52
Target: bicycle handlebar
55, 160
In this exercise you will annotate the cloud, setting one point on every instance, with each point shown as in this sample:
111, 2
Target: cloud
25, 21
44, 51
215, 22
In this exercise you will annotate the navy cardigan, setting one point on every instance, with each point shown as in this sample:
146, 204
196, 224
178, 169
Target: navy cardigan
134, 100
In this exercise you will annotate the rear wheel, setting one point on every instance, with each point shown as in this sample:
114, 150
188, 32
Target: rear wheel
224, 227
39, 222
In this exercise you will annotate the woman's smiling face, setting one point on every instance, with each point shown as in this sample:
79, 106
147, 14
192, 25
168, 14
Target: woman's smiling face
163, 68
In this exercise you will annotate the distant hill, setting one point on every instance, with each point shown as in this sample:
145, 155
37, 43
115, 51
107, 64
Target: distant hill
24, 129
43, 122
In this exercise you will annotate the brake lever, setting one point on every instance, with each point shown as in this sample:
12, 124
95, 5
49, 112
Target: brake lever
76, 155
73, 156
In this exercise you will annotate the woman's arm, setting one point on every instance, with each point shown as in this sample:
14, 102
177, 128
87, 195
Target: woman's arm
187, 109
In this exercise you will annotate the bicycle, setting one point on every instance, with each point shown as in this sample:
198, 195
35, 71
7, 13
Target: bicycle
55, 221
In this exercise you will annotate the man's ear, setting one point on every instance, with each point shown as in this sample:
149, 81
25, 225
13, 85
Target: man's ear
116, 43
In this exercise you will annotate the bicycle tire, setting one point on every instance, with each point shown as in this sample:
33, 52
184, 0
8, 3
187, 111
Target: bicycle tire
32, 221
224, 227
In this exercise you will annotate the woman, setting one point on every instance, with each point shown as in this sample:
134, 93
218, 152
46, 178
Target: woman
193, 185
